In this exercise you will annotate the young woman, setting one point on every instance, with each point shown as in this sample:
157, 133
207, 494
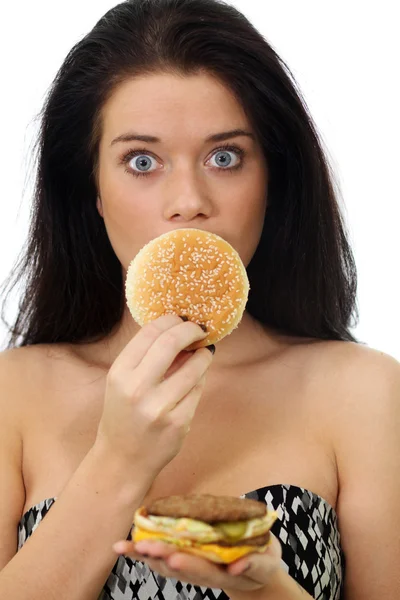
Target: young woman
170, 114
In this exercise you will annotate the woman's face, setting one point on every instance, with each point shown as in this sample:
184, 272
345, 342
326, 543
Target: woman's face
182, 179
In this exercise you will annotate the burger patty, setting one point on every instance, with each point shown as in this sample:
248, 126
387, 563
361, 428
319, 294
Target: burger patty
207, 508
259, 540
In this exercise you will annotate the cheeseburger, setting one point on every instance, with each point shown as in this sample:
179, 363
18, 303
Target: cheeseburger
219, 528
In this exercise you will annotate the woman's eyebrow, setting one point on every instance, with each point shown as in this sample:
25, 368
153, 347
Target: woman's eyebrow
216, 137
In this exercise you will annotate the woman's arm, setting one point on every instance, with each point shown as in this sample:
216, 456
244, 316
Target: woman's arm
366, 435
70, 556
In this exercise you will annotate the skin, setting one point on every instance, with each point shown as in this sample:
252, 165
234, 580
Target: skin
188, 185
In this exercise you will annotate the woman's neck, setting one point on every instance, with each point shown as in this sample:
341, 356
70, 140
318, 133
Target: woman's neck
249, 342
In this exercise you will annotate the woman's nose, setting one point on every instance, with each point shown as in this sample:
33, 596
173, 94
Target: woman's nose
186, 197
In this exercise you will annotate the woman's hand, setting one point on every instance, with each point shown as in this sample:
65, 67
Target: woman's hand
152, 392
252, 572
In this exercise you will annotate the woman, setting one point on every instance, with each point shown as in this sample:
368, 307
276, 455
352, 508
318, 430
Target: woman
169, 114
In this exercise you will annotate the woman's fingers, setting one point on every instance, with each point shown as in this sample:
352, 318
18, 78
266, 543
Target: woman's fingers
183, 387
179, 361
170, 562
165, 349
133, 353
137, 422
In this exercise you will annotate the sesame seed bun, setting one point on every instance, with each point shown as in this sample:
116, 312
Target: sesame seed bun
191, 273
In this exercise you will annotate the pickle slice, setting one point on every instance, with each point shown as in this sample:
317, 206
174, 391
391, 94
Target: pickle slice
233, 531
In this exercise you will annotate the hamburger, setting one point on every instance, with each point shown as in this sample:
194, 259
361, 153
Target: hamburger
221, 529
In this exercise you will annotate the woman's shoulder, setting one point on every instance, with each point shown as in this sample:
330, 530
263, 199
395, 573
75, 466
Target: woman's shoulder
350, 383
343, 381
26, 371
359, 387
17, 383
17, 366
34, 357
349, 365
21, 354
28, 361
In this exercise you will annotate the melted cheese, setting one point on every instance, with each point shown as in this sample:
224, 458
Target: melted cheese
226, 554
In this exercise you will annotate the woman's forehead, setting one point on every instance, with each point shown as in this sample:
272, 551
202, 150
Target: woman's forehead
162, 105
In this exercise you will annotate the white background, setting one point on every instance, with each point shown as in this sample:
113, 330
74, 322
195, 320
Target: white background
345, 57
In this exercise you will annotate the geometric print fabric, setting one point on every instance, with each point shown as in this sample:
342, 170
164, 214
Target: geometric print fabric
307, 527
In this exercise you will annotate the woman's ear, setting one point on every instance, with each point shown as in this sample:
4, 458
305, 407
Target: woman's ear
99, 206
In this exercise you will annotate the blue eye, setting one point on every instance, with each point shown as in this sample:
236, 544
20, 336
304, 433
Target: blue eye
224, 158
143, 163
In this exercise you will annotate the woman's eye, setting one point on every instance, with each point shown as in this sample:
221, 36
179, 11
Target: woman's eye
142, 163
223, 159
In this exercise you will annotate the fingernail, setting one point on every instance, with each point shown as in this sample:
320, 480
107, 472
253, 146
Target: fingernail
204, 328
184, 318
211, 348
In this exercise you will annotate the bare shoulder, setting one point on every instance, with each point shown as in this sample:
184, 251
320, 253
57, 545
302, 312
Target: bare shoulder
24, 371
13, 360
14, 373
348, 385
370, 373
344, 370
361, 392
23, 357
359, 389
364, 370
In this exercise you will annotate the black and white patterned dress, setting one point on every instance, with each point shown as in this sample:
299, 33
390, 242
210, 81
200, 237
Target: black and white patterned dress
307, 528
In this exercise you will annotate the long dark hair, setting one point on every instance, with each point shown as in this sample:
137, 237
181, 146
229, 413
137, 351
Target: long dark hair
302, 276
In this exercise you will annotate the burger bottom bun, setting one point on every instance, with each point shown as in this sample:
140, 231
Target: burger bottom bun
230, 554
